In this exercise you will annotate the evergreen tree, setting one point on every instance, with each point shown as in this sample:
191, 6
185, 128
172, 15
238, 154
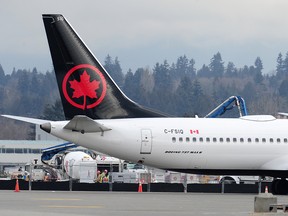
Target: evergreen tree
184, 97
2, 75
204, 72
258, 78
114, 69
280, 66
35, 86
23, 81
191, 73
283, 89
129, 84
53, 112
162, 77
184, 67
163, 88
285, 65
217, 65
231, 70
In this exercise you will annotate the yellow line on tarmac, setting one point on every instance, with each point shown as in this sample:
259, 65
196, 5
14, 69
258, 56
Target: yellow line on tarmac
62, 206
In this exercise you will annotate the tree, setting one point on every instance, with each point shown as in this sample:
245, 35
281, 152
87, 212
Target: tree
231, 70
217, 65
23, 81
191, 73
114, 69
280, 71
285, 65
283, 89
258, 78
162, 76
184, 97
129, 84
184, 67
204, 72
2, 75
53, 112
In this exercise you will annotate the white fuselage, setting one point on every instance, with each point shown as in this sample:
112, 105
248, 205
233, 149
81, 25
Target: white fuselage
197, 145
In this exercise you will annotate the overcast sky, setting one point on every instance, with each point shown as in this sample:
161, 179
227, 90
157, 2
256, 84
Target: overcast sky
143, 32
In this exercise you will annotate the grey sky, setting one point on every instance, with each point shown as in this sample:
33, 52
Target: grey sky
143, 32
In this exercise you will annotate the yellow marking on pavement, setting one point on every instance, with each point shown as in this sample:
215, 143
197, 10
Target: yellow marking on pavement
75, 207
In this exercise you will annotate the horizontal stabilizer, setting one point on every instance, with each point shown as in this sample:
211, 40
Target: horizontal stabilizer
85, 124
26, 119
283, 114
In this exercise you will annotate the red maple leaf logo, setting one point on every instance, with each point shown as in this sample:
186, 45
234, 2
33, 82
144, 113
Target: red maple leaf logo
74, 89
84, 88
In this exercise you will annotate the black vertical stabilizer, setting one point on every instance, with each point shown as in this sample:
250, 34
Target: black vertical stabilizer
85, 87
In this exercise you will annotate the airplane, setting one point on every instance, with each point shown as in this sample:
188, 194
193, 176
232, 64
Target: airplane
99, 116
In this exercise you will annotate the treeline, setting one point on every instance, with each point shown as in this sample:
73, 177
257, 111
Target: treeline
181, 89
176, 88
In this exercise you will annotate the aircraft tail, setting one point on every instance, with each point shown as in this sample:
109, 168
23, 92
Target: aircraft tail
85, 86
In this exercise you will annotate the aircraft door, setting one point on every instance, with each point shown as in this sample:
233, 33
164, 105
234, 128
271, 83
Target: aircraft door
146, 141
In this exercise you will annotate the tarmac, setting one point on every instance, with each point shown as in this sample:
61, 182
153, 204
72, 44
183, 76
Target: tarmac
32, 203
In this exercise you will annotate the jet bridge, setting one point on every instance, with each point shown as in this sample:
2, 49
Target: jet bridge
229, 104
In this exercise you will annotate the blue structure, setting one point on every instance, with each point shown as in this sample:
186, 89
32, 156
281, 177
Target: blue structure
48, 153
229, 104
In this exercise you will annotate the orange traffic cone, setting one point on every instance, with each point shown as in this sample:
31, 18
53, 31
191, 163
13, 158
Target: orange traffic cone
266, 189
140, 187
17, 186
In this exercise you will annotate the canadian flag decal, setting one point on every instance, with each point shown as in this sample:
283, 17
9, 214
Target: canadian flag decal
194, 131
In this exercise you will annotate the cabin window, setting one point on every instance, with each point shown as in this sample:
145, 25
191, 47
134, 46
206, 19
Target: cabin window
285, 140
278, 140
187, 139
263, 140
201, 139
256, 140
173, 139
221, 139
194, 139
228, 140
207, 139
180, 139
271, 140
241, 140
214, 139
249, 140
234, 139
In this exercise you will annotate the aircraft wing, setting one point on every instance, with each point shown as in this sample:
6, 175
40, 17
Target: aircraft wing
85, 124
26, 119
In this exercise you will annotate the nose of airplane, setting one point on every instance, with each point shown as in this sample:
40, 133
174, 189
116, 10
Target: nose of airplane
46, 127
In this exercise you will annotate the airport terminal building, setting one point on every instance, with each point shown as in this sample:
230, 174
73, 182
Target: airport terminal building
22, 152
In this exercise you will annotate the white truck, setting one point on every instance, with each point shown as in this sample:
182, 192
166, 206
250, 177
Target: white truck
80, 166
242, 179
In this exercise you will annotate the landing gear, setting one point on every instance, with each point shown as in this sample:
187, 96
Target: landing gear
279, 187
